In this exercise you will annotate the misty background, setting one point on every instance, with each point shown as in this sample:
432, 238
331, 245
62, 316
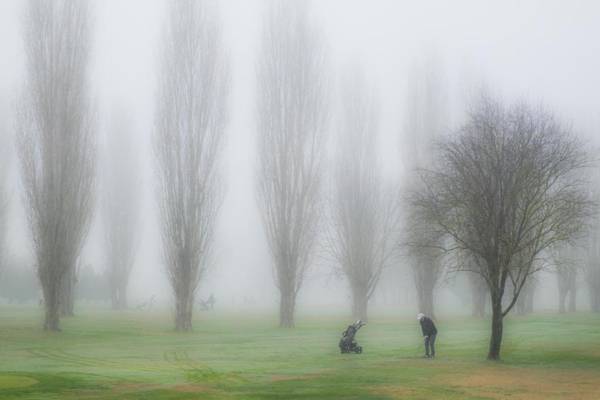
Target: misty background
544, 51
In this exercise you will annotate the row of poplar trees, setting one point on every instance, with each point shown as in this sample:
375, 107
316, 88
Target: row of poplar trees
494, 196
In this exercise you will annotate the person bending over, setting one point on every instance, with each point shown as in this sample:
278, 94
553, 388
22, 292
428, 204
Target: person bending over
429, 333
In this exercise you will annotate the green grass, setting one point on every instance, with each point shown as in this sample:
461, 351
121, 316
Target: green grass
106, 355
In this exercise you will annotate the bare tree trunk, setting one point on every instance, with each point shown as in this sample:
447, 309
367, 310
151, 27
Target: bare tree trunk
479, 295
497, 327
426, 271
573, 298
114, 297
122, 304
425, 300
67, 297
567, 289
52, 307
360, 303
529, 304
595, 300
479, 306
287, 308
183, 310
119, 295
120, 205
562, 297
524, 304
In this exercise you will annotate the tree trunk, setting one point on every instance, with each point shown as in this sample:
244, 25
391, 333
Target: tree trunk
183, 310
562, 296
497, 326
594, 299
123, 296
573, 298
529, 304
119, 296
114, 297
479, 308
67, 293
567, 287
287, 305
360, 302
52, 307
425, 300
478, 295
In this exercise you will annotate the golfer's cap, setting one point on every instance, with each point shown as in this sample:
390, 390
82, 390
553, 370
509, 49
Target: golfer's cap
420, 316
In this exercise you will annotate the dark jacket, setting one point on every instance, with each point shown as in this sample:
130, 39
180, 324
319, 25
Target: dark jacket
428, 327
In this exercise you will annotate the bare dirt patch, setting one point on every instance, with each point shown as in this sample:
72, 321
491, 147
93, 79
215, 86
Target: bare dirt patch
394, 391
16, 381
191, 388
135, 387
283, 378
530, 384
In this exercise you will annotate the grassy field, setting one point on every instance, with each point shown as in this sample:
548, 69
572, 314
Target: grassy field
105, 355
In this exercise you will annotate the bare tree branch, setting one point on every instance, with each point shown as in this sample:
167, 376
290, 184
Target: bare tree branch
121, 205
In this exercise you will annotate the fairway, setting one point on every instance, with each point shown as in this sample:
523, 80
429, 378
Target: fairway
106, 355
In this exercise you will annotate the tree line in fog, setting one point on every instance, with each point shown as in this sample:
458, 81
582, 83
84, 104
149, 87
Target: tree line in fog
506, 193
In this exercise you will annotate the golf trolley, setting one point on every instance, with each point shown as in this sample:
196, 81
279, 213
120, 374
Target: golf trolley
347, 342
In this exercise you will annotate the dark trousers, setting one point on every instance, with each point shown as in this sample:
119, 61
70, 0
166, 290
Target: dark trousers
430, 345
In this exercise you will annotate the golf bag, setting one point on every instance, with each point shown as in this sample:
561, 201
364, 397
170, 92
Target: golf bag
347, 342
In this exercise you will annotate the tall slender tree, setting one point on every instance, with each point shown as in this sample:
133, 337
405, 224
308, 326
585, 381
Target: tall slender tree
5, 144
190, 127
426, 117
120, 205
591, 245
56, 139
292, 120
566, 262
362, 233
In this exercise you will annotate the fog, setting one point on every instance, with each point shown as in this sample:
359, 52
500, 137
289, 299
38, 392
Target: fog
544, 51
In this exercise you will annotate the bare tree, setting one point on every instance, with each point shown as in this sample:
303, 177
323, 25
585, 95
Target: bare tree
362, 233
524, 304
56, 140
426, 118
566, 264
478, 285
426, 259
190, 127
592, 252
479, 294
505, 188
121, 202
292, 119
592, 272
5, 162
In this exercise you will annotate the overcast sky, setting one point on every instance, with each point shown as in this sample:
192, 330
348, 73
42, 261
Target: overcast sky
546, 51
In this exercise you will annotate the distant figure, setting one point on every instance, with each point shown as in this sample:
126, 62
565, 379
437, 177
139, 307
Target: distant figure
146, 305
429, 333
208, 304
211, 302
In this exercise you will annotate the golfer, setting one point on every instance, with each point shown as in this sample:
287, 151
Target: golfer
429, 333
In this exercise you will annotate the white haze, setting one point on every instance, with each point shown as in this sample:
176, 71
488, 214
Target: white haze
547, 51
